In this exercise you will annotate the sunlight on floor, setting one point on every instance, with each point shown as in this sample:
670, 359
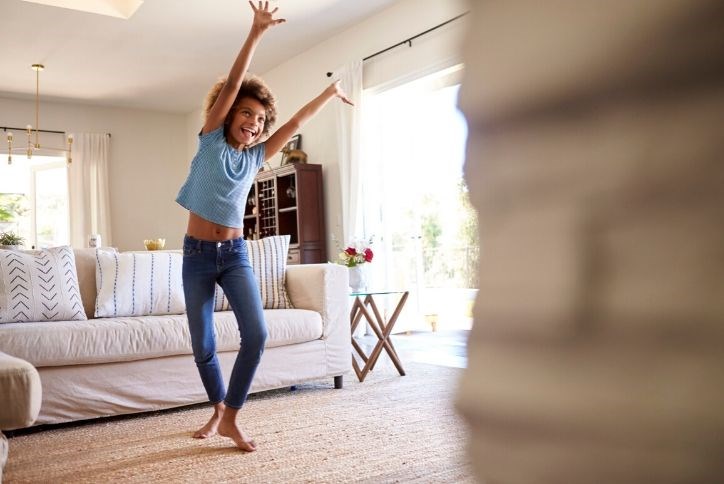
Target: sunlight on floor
442, 348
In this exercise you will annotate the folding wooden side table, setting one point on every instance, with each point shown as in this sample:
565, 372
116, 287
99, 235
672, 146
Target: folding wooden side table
363, 303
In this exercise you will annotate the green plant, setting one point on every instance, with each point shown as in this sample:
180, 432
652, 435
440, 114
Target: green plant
10, 238
12, 206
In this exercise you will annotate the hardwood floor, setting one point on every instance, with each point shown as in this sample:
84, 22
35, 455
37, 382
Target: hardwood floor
445, 347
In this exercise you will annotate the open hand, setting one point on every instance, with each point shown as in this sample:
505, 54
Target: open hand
263, 18
336, 89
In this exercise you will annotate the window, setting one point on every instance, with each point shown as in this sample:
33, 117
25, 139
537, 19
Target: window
418, 209
34, 200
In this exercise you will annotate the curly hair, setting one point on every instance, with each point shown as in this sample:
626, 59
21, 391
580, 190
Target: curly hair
252, 87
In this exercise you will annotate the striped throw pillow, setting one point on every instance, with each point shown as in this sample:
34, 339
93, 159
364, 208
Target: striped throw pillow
39, 285
268, 257
138, 283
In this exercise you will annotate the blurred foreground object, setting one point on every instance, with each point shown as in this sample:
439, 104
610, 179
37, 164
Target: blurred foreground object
595, 159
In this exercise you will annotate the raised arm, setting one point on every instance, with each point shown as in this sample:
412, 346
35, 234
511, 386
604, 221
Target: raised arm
263, 19
280, 137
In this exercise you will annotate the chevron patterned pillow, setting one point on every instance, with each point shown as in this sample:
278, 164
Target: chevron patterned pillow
39, 285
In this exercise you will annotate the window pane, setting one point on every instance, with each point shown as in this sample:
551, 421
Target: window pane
34, 200
51, 205
416, 203
15, 202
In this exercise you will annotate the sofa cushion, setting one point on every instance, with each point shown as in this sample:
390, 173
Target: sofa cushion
107, 340
39, 285
138, 284
268, 258
85, 265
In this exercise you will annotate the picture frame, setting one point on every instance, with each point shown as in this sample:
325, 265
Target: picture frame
294, 143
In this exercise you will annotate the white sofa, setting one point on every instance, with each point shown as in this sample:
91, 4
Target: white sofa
111, 366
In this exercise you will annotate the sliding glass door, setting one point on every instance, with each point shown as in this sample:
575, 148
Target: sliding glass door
416, 202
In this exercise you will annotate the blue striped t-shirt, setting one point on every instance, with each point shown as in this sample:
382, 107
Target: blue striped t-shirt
220, 179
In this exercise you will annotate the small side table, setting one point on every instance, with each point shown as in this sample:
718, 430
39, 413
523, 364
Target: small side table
363, 302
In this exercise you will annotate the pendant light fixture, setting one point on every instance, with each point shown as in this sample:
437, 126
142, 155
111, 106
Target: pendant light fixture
34, 147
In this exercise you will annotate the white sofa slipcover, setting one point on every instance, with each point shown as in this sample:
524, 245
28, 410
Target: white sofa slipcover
112, 366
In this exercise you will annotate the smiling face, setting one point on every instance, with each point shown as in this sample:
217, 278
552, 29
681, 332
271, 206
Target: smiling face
247, 123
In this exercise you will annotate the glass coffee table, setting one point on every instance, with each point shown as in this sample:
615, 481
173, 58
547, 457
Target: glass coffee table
365, 308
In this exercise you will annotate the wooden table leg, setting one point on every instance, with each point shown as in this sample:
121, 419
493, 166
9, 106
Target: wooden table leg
355, 317
382, 330
387, 331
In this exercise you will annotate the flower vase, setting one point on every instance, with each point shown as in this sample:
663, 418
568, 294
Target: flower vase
357, 281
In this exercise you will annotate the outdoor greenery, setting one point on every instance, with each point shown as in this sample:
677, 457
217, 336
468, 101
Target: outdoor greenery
431, 229
468, 237
12, 206
448, 259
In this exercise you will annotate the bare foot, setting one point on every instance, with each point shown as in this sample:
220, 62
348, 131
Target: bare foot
211, 427
228, 428
208, 430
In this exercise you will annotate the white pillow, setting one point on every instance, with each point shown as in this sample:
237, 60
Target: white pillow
138, 283
268, 257
220, 301
39, 286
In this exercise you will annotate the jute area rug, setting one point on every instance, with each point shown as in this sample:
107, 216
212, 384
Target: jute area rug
389, 428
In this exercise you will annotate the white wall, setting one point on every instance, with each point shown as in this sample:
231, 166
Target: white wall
148, 162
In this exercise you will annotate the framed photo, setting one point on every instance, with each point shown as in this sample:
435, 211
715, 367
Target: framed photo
295, 143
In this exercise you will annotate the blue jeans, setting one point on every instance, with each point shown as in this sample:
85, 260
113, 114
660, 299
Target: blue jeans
226, 263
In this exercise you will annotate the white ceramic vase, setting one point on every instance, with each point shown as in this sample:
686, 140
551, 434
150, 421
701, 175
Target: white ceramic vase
357, 280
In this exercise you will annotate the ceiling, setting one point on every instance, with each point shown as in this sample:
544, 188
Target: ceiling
164, 57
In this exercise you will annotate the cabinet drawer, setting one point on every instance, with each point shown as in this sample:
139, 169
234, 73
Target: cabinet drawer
293, 257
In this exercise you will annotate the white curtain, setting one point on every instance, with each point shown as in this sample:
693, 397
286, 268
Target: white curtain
90, 209
348, 136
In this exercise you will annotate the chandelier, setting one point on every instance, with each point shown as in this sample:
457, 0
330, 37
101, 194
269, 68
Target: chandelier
33, 146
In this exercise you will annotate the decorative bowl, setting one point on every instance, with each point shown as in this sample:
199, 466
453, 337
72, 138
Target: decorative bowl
154, 244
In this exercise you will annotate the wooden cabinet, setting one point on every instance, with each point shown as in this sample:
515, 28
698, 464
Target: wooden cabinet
289, 201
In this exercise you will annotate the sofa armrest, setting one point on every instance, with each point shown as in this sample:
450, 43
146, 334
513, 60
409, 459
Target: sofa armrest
20, 393
322, 288
325, 288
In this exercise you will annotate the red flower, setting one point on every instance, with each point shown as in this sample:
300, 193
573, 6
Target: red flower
355, 254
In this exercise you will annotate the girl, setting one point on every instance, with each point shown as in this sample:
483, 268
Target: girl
239, 112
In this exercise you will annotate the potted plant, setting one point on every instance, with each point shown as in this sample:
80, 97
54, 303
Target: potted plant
11, 241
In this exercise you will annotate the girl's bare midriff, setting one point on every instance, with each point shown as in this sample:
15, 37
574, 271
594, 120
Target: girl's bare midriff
202, 229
